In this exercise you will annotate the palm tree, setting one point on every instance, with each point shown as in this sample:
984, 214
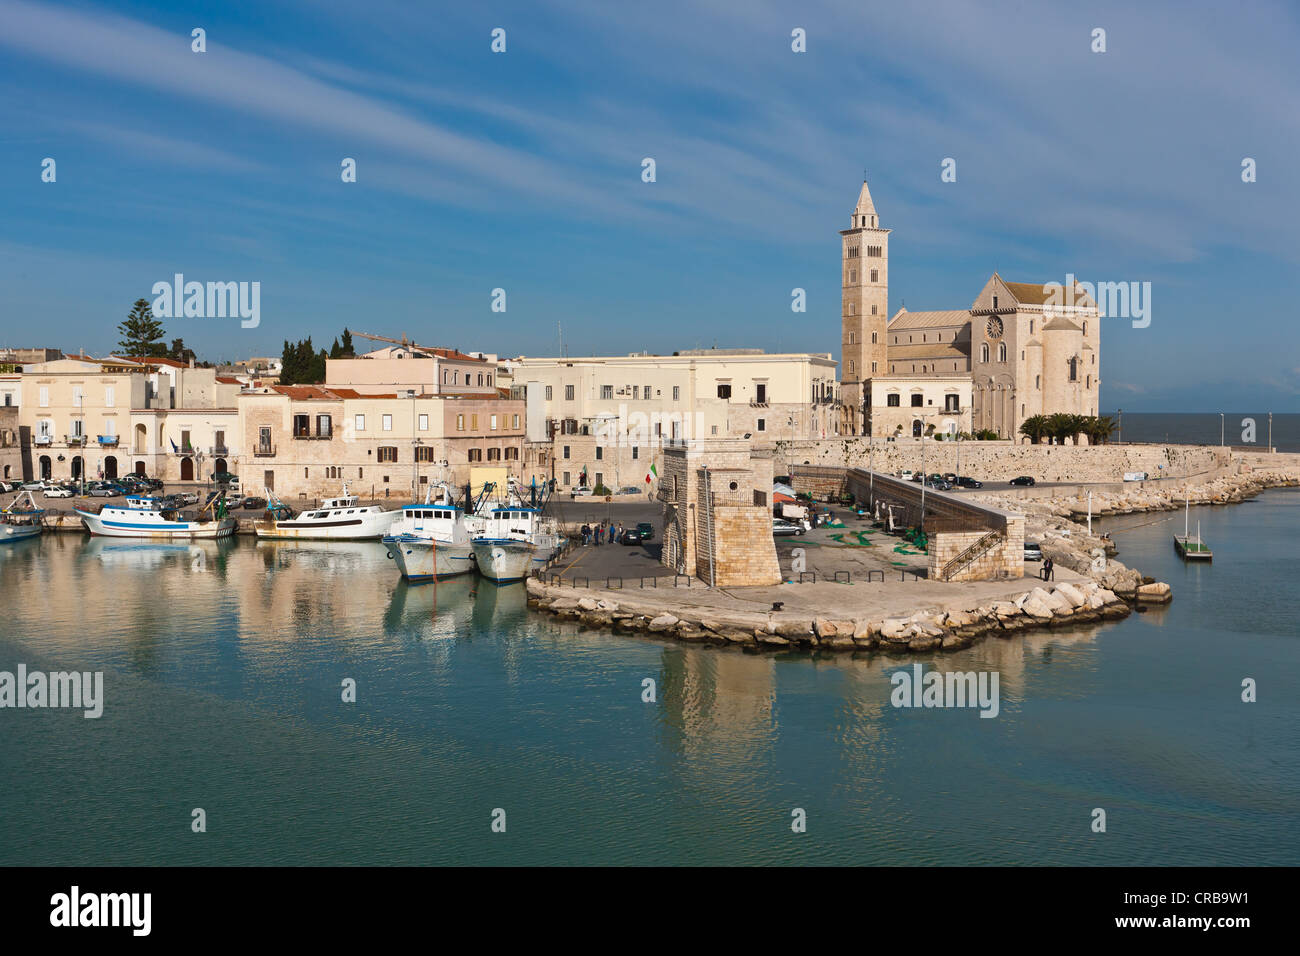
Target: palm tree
1102, 429
1034, 428
1060, 426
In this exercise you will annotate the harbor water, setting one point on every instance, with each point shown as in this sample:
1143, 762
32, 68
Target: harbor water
225, 663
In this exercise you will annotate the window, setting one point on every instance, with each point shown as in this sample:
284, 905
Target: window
984, 352
77, 400
600, 478
548, 393
302, 426
873, 310
636, 392
760, 391
423, 422
109, 397
724, 390
1074, 369
568, 393
762, 425
324, 426
1038, 381
45, 396
1085, 326
387, 453
600, 453
514, 421
566, 451
1002, 351
952, 403
460, 423
565, 476
635, 451
853, 275
850, 367
359, 422
473, 423
853, 308
873, 368
494, 454
512, 454
893, 401
386, 423
995, 302
917, 401
851, 338
607, 391
873, 338
423, 453
677, 393
875, 275
476, 454
1031, 326
494, 423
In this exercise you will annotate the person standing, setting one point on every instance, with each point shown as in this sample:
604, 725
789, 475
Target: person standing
1048, 569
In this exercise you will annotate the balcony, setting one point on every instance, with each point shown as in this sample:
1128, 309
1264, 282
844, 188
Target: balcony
758, 404
107, 441
308, 436
264, 451
184, 450
75, 441
43, 440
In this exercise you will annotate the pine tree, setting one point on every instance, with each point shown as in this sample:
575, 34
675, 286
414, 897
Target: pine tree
346, 350
141, 333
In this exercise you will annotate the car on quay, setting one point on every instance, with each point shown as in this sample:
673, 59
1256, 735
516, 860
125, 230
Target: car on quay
1033, 551
965, 482
105, 489
782, 528
225, 478
646, 530
1023, 480
628, 490
59, 491
188, 497
252, 502
630, 536
580, 491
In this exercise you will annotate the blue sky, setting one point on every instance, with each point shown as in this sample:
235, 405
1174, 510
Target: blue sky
522, 171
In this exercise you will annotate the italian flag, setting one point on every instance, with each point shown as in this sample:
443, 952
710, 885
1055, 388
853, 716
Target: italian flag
654, 473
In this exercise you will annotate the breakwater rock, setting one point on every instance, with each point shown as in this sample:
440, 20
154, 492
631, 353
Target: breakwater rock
932, 629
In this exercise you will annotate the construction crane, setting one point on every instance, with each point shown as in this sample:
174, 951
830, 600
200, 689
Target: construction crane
403, 341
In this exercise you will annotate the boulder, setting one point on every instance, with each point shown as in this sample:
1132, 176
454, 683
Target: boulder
1071, 594
662, 622
1157, 593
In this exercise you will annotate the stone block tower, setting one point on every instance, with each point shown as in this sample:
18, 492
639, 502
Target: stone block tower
865, 306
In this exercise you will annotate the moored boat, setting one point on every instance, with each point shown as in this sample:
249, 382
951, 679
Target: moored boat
148, 517
337, 519
515, 541
430, 541
19, 520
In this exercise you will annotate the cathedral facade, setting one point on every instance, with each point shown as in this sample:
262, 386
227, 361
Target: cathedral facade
1021, 349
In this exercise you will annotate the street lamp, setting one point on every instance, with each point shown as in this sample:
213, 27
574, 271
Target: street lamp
1220, 429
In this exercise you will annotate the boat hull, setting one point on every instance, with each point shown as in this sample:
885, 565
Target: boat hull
507, 559
17, 532
364, 527
130, 526
424, 559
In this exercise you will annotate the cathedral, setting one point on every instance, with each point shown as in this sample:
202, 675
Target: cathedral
1018, 351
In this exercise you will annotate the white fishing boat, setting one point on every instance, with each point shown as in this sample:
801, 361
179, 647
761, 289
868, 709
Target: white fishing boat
149, 517
337, 519
514, 542
431, 541
21, 519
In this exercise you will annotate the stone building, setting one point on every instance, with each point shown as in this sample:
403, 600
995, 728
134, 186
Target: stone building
305, 440
608, 417
716, 495
1025, 348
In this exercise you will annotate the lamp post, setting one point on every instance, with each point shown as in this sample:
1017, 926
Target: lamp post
1121, 426
1270, 432
1220, 429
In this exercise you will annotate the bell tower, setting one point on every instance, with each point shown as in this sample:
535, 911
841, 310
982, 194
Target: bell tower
865, 306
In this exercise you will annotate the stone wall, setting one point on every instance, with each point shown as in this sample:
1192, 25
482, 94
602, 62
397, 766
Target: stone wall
1001, 460
745, 555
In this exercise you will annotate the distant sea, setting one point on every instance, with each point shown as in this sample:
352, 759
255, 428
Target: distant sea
1202, 428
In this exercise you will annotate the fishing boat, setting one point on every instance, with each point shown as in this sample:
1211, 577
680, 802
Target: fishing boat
514, 542
145, 516
22, 518
1189, 548
430, 541
337, 519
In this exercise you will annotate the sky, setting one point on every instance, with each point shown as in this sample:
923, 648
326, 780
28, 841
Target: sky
523, 171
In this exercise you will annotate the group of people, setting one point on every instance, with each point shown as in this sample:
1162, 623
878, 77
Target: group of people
601, 533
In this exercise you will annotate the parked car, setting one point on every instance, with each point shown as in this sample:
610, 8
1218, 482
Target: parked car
1023, 480
580, 490
646, 530
36, 485
629, 490
189, 498
630, 536
105, 489
781, 527
941, 484
226, 478
1033, 551
965, 482
252, 501
7, 486
59, 491
918, 477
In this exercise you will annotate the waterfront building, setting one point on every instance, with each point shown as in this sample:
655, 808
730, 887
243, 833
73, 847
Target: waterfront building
1022, 353
305, 440
403, 368
606, 419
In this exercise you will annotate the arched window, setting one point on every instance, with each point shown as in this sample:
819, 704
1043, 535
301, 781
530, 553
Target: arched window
1085, 326
873, 338
984, 352
1002, 351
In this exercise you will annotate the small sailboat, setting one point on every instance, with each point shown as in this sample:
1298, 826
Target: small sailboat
1189, 548
337, 519
148, 517
22, 518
